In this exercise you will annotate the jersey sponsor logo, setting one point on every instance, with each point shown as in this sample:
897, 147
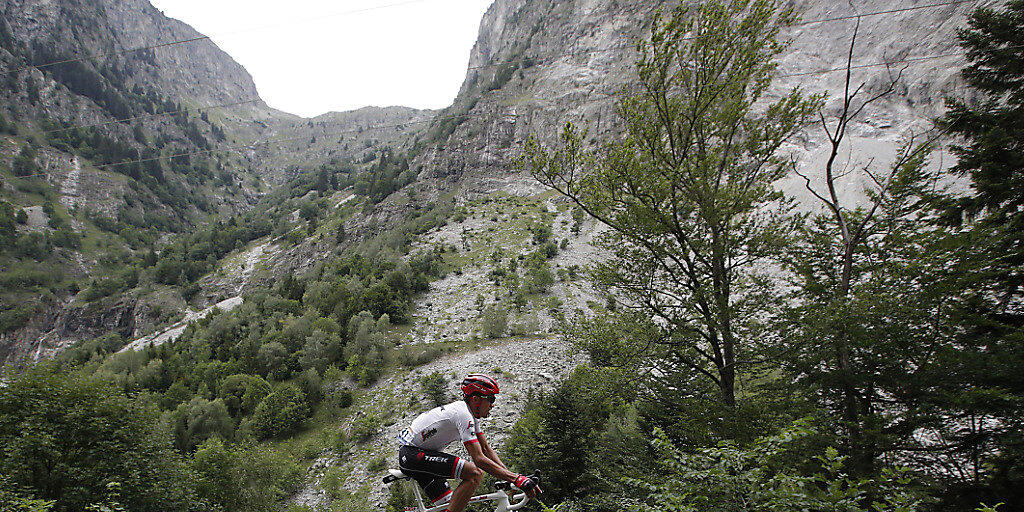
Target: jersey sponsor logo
470, 426
427, 434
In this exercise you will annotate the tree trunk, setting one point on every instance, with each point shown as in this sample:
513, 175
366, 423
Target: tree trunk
728, 385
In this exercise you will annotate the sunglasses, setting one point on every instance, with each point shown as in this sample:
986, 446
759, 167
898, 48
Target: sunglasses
490, 398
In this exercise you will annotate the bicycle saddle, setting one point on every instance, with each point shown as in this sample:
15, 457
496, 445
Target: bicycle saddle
396, 474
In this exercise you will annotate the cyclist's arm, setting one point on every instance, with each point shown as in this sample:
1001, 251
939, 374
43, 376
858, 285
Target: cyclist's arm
489, 452
487, 464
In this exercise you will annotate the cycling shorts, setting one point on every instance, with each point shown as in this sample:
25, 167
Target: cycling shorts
430, 469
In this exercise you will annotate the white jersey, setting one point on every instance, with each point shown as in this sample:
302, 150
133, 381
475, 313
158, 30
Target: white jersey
440, 426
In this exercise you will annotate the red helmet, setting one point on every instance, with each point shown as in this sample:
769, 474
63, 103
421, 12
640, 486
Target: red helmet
478, 383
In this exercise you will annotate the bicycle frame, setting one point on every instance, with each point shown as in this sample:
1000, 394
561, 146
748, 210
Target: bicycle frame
504, 505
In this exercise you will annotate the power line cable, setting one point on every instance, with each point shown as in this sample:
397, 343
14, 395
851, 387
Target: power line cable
399, 4
205, 38
436, 118
320, 17
108, 54
253, 145
888, 11
493, 64
147, 116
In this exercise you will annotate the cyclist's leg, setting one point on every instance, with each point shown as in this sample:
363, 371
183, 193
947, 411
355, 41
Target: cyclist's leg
471, 477
436, 489
430, 469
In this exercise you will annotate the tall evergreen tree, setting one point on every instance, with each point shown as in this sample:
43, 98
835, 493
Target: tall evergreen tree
991, 156
992, 128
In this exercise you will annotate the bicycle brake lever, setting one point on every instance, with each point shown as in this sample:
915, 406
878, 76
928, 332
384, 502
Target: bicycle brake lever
505, 486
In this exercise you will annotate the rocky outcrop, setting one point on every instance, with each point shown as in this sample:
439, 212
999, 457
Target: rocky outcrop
110, 30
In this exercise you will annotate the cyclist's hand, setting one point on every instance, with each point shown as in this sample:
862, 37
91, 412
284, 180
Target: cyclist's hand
528, 486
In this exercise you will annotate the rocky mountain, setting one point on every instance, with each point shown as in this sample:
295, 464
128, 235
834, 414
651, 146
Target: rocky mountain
298, 144
536, 65
132, 127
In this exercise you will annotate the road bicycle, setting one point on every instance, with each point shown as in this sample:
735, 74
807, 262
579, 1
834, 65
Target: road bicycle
518, 500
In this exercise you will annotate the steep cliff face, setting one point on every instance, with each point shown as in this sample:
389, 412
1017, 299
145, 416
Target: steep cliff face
198, 70
101, 60
95, 113
538, 64
133, 35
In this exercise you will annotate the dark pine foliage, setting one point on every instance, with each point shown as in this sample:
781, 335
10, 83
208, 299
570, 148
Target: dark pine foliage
991, 154
993, 130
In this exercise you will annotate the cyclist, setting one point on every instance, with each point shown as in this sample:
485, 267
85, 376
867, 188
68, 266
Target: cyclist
420, 445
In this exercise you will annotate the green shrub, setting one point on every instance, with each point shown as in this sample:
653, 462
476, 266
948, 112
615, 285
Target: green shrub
344, 398
400, 496
376, 464
14, 500
312, 386
335, 395
33, 245
365, 427
312, 448
435, 388
763, 476
218, 475
266, 478
86, 349
63, 437
495, 321
32, 186
539, 278
272, 360
281, 412
333, 482
25, 163
367, 352
411, 356
340, 443
104, 287
242, 393
17, 316
199, 420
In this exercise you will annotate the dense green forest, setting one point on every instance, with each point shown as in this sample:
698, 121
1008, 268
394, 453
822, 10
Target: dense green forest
751, 356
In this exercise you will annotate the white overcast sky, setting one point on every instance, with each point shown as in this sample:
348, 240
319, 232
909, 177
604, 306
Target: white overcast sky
309, 57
